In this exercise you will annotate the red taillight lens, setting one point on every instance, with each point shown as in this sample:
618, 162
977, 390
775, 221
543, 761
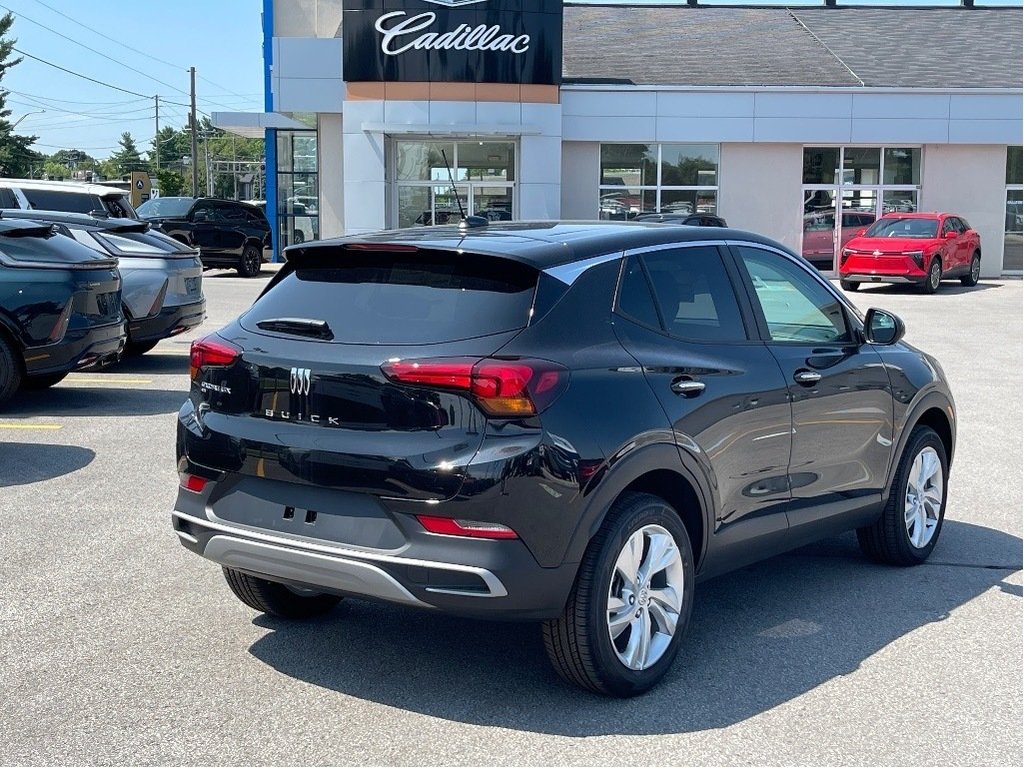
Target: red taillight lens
210, 351
192, 483
471, 528
505, 388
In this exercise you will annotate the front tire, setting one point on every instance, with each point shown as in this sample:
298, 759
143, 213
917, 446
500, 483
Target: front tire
848, 285
910, 524
10, 371
252, 261
629, 608
276, 599
972, 277
931, 283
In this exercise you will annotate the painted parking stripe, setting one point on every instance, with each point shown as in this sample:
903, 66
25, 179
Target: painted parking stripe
51, 427
115, 380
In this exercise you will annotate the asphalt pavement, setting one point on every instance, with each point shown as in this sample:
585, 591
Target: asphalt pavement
119, 646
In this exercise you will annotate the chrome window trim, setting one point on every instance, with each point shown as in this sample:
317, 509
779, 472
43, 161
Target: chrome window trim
569, 273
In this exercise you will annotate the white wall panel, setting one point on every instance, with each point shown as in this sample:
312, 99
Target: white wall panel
540, 160
452, 112
609, 128
581, 174
890, 106
604, 103
809, 104
539, 201
882, 131
704, 104
308, 57
547, 117
803, 130
295, 94
498, 112
331, 158
705, 129
358, 112
984, 131
995, 107
407, 112
364, 157
759, 190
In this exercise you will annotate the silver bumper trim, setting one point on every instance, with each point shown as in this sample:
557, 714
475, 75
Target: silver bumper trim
343, 556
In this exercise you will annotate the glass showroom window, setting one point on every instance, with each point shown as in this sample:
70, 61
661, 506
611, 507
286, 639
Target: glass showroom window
658, 178
484, 173
1012, 257
298, 187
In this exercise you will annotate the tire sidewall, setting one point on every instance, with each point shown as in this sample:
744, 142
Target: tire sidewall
615, 676
10, 370
247, 252
924, 437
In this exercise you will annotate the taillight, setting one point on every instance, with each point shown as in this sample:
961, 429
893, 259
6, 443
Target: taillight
210, 351
505, 388
471, 528
61, 326
193, 483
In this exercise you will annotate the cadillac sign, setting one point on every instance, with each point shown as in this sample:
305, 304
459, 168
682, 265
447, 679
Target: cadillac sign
476, 41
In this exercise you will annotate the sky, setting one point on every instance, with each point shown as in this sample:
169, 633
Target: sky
147, 46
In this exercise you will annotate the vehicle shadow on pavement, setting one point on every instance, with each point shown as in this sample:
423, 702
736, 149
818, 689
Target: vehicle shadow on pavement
99, 401
758, 638
151, 362
26, 463
946, 289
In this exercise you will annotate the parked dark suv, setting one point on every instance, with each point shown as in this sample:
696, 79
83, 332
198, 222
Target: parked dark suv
569, 423
60, 307
226, 233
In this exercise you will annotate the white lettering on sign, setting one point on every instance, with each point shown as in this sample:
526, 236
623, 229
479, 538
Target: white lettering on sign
462, 38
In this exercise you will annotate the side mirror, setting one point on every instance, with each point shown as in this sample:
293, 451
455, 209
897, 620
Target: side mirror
883, 328
951, 235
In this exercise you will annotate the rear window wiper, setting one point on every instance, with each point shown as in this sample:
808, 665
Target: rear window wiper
298, 326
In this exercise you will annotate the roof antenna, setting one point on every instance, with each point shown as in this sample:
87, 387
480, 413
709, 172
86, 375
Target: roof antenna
468, 222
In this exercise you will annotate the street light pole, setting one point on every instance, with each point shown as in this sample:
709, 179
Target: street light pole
15, 123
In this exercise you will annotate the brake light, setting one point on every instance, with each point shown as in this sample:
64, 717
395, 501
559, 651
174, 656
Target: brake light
193, 483
506, 388
210, 351
61, 326
471, 528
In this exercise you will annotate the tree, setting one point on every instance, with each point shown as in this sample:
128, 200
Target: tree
128, 159
170, 183
16, 157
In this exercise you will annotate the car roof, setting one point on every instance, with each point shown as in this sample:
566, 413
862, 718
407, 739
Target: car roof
79, 220
63, 186
915, 215
542, 244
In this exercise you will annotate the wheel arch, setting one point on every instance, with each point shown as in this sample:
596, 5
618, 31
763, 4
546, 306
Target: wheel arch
934, 410
660, 469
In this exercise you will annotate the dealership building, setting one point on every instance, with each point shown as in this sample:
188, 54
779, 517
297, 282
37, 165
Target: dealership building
802, 123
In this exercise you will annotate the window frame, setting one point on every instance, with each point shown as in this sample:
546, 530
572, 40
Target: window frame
750, 327
658, 187
851, 315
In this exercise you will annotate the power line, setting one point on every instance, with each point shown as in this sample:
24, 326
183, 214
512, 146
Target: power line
135, 50
72, 101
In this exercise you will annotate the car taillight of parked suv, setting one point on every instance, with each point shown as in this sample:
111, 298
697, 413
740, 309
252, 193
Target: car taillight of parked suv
564, 423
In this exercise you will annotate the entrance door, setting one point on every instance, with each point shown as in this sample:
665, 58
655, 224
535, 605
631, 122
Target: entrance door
832, 217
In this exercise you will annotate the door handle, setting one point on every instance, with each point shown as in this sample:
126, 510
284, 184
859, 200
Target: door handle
806, 378
687, 387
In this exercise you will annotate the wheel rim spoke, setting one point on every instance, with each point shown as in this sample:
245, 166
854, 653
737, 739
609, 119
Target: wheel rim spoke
628, 564
620, 615
923, 499
664, 619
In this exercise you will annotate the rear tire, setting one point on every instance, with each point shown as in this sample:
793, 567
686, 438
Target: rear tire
619, 633
43, 382
972, 277
849, 285
931, 283
10, 370
277, 599
891, 539
252, 261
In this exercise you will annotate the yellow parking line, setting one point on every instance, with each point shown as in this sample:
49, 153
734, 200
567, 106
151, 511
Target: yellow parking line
29, 426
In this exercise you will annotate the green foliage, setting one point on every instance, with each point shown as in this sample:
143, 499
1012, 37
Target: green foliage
16, 157
170, 183
128, 159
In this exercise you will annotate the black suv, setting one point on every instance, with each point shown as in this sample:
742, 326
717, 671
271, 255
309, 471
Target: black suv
60, 307
688, 219
570, 423
226, 233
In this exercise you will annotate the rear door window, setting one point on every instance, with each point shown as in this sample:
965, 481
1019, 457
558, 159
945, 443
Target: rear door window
404, 297
694, 294
70, 202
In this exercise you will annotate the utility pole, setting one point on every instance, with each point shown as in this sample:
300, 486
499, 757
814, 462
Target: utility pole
195, 128
156, 140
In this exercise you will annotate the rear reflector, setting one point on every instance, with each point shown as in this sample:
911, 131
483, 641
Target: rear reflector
472, 528
211, 350
192, 483
505, 388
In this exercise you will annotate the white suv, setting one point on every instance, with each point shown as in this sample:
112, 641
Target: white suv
68, 196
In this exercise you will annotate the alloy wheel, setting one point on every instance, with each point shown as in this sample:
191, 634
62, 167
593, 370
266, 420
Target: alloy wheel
975, 270
645, 597
923, 501
935, 275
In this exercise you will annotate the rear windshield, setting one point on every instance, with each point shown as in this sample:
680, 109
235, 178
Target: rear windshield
48, 249
899, 227
423, 297
165, 206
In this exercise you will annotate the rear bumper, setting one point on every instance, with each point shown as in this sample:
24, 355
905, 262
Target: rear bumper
80, 348
497, 579
170, 321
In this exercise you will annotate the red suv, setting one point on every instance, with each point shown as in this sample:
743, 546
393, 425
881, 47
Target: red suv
920, 248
